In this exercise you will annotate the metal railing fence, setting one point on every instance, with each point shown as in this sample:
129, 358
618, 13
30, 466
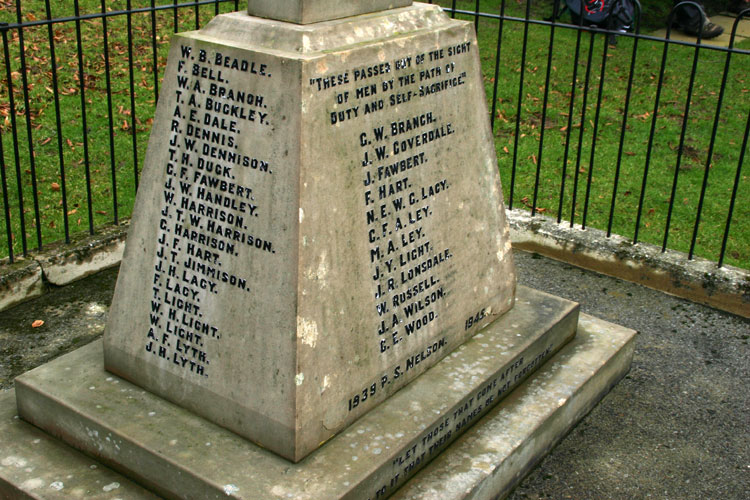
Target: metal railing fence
62, 55
646, 139
624, 180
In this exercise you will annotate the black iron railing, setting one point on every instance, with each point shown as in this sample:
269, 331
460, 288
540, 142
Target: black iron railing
98, 37
646, 139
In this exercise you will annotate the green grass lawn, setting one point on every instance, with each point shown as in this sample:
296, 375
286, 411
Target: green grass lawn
90, 158
598, 175
595, 176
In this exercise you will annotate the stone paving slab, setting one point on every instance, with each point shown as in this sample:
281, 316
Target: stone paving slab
725, 21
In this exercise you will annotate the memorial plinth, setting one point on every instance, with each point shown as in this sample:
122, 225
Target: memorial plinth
179, 455
320, 220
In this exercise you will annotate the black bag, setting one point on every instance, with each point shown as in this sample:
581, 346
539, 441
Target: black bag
689, 18
616, 15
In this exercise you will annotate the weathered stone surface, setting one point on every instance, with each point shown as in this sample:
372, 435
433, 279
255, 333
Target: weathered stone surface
34, 465
313, 11
19, 282
178, 454
487, 460
492, 458
65, 264
319, 205
726, 288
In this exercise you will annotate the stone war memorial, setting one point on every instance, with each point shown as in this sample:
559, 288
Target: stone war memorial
318, 297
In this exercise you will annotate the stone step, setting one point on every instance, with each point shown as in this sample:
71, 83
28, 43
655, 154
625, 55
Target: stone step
182, 456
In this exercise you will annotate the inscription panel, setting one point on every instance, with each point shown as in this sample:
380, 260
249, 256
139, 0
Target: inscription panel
401, 133
215, 215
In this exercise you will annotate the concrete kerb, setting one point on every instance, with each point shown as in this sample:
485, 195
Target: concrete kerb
699, 280
60, 264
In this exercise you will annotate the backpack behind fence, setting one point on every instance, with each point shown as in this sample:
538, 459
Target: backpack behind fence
615, 15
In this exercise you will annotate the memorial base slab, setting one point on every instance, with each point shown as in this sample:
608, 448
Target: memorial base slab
177, 455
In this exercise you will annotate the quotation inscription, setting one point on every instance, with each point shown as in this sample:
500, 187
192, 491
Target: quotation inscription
207, 217
401, 195
436, 437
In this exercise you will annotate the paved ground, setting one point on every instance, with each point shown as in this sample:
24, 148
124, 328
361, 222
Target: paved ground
726, 21
678, 426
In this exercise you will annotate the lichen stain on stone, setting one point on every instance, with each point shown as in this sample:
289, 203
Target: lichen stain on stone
307, 332
32, 484
299, 378
230, 489
321, 273
505, 248
280, 491
306, 47
111, 486
13, 461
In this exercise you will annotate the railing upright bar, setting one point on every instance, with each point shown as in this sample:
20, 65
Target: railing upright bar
84, 121
497, 66
519, 107
58, 123
131, 82
453, 9
652, 132
594, 133
14, 133
476, 18
733, 198
6, 202
626, 110
197, 17
29, 133
569, 128
154, 52
545, 100
738, 174
685, 117
175, 20
108, 84
581, 130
